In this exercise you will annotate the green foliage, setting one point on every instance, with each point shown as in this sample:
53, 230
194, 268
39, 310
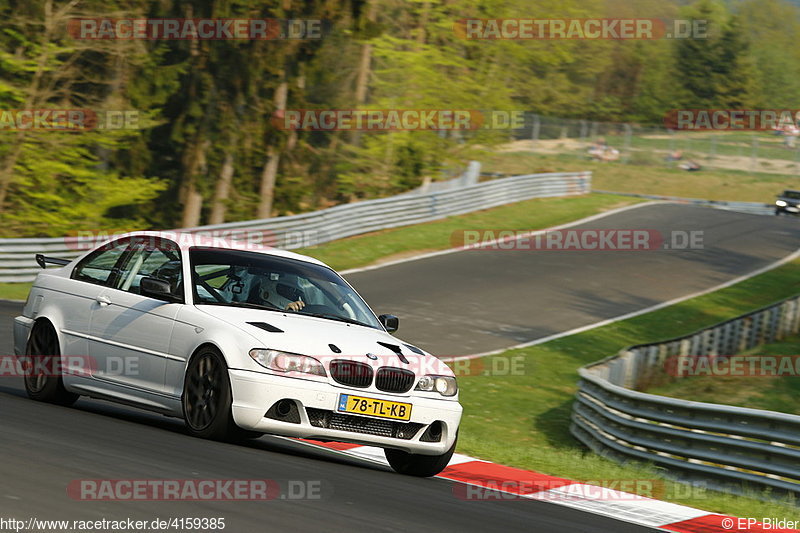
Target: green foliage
58, 188
772, 27
717, 71
204, 103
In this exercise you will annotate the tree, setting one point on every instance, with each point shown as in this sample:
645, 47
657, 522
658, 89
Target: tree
53, 180
772, 27
717, 71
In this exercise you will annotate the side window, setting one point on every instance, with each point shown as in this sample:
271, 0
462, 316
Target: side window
160, 260
99, 266
222, 279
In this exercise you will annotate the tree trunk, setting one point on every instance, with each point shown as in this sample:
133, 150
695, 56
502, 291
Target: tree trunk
222, 190
7, 168
10, 161
268, 177
189, 195
421, 34
364, 70
270, 172
362, 81
192, 207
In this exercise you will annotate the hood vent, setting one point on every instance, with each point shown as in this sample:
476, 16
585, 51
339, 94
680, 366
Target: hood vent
414, 349
396, 349
266, 327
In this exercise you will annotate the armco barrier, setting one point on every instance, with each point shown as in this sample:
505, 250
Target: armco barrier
17, 262
722, 445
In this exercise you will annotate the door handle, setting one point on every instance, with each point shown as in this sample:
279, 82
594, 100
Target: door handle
103, 301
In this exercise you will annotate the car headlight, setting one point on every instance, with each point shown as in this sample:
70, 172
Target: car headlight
287, 362
444, 385
780, 203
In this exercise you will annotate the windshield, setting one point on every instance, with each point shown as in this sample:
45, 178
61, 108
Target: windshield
253, 280
793, 195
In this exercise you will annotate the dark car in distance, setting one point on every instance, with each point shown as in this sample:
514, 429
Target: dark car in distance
788, 203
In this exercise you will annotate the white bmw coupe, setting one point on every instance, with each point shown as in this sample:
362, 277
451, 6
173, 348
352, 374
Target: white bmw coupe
238, 340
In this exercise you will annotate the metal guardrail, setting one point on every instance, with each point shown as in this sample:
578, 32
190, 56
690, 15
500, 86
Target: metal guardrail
17, 262
754, 208
722, 445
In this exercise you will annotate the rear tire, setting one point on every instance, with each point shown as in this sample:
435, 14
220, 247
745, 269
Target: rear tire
42, 381
412, 464
207, 399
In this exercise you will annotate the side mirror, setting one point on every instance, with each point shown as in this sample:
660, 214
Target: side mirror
390, 322
158, 289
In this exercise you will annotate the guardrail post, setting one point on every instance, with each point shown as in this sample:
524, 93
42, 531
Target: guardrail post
741, 331
723, 340
795, 324
774, 318
695, 344
685, 347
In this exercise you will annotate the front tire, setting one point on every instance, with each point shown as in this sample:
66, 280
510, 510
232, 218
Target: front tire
43, 383
207, 397
412, 464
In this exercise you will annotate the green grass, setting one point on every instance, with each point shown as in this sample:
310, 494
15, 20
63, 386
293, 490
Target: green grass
523, 420
773, 393
710, 184
534, 214
14, 291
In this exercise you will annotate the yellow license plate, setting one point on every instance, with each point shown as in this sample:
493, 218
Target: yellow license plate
359, 405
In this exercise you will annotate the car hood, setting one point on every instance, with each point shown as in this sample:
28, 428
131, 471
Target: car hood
320, 338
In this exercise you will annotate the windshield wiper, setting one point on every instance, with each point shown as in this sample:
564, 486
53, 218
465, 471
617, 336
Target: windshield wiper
338, 318
247, 305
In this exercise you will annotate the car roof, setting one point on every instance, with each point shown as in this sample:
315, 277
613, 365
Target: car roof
186, 240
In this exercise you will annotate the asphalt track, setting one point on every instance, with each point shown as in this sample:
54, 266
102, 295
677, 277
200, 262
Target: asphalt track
475, 301
454, 303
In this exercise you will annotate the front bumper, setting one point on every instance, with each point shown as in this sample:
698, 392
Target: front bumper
254, 393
